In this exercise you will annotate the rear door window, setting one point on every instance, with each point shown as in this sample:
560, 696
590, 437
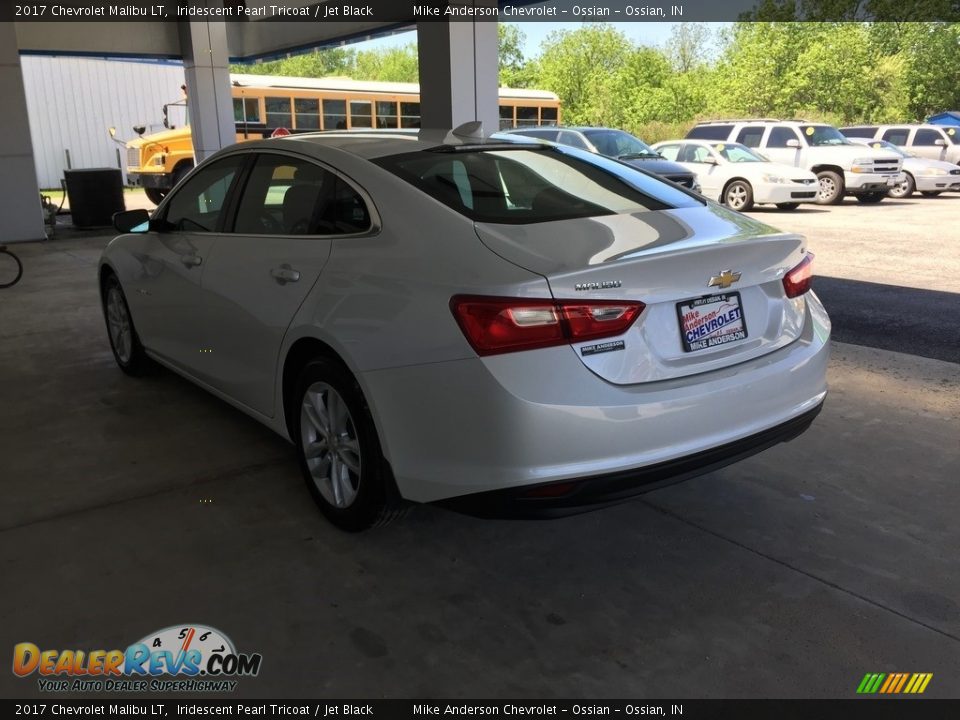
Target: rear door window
750, 136
897, 136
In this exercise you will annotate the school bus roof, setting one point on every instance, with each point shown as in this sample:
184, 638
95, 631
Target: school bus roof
367, 86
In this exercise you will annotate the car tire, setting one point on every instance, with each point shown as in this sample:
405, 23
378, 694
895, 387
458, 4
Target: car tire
788, 206
904, 189
338, 449
154, 195
738, 195
931, 193
180, 173
830, 191
871, 198
124, 341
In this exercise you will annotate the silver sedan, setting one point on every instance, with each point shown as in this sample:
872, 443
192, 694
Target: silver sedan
494, 325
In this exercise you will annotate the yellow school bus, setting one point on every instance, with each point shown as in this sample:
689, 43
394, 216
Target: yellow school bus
265, 105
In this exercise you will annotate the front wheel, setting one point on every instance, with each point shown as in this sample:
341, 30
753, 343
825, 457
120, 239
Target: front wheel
931, 193
831, 188
788, 206
124, 341
338, 448
904, 189
11, 269
738, 196
871, 198
154, 195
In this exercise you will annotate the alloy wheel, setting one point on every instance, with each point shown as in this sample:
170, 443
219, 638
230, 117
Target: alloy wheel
119, 325
330, 445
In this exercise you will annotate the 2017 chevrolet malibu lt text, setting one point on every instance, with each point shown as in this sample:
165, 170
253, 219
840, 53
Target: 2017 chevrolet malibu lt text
489, 324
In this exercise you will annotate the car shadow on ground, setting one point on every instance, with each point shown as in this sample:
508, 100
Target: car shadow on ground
893, 317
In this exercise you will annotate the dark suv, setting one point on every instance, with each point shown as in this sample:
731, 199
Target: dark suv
615, 144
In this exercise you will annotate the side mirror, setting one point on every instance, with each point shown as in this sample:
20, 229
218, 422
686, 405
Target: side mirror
940, 142
710, 160
131, 221
793, 143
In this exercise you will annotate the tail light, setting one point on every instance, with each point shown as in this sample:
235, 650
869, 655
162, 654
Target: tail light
500, 325
798, 281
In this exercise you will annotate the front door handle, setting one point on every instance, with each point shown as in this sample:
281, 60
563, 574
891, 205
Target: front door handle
191, 260
285, 274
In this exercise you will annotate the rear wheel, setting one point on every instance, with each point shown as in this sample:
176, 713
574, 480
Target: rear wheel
904, 189
338, 449
124, 341
931, 193
154, 195
831, 188
738, 196
788, 206
871, 198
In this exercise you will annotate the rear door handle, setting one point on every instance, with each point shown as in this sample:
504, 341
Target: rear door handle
191, 260
285, 274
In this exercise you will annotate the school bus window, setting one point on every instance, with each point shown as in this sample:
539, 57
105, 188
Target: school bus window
506, 116
334, 114
278, 112
361, 113
409, 114
548, 116
386, 114
526, 116
308, 113
246, 110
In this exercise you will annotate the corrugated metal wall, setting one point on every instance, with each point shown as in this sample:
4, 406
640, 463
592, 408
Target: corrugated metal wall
73, 101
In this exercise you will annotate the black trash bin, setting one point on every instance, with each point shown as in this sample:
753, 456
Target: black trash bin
95, 194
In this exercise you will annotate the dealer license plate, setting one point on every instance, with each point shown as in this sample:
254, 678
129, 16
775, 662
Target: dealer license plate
711, 321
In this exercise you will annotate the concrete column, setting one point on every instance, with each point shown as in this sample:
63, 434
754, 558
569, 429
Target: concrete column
206, 68
459, 72
19, 194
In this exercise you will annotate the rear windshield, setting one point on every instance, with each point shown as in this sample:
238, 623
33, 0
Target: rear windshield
532, 185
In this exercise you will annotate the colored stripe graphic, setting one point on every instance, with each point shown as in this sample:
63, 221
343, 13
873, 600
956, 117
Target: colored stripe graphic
894, 683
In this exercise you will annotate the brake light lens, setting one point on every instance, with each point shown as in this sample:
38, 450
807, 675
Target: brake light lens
495, 325
798, 281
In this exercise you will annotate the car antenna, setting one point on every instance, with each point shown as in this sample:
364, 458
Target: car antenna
472, 130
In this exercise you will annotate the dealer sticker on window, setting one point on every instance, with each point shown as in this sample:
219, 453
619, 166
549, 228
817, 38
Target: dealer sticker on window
711, 321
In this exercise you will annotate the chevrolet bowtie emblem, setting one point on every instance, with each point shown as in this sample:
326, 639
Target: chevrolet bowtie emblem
724, 279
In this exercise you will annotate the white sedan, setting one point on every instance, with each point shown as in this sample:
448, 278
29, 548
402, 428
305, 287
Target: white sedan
739, 177
492, 324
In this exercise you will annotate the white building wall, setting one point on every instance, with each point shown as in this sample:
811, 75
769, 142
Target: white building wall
73, 101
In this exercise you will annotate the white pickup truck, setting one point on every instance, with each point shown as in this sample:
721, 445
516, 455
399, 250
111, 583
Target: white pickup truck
841, 167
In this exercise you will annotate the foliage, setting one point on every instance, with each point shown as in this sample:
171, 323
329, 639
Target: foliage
840, 72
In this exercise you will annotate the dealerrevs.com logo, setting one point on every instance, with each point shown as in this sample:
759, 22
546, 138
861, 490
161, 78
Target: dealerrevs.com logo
180, 658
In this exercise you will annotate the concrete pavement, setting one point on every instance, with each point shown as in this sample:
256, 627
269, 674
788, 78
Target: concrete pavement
131, 505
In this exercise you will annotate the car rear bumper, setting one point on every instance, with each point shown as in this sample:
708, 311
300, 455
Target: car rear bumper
511, 421
567, 497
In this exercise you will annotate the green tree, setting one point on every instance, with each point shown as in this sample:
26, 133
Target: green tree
399, 64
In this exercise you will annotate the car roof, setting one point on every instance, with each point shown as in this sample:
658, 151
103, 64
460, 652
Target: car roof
759, 121
372, 144
575, 128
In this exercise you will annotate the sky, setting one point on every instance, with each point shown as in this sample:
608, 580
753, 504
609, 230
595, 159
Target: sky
642, 33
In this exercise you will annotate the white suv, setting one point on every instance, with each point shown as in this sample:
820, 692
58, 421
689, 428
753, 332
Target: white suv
841, 167
936, 142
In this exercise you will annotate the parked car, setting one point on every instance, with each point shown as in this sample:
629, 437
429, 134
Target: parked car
443, 318
935, 142
841, 167
616, 144
930, 177
736, 176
